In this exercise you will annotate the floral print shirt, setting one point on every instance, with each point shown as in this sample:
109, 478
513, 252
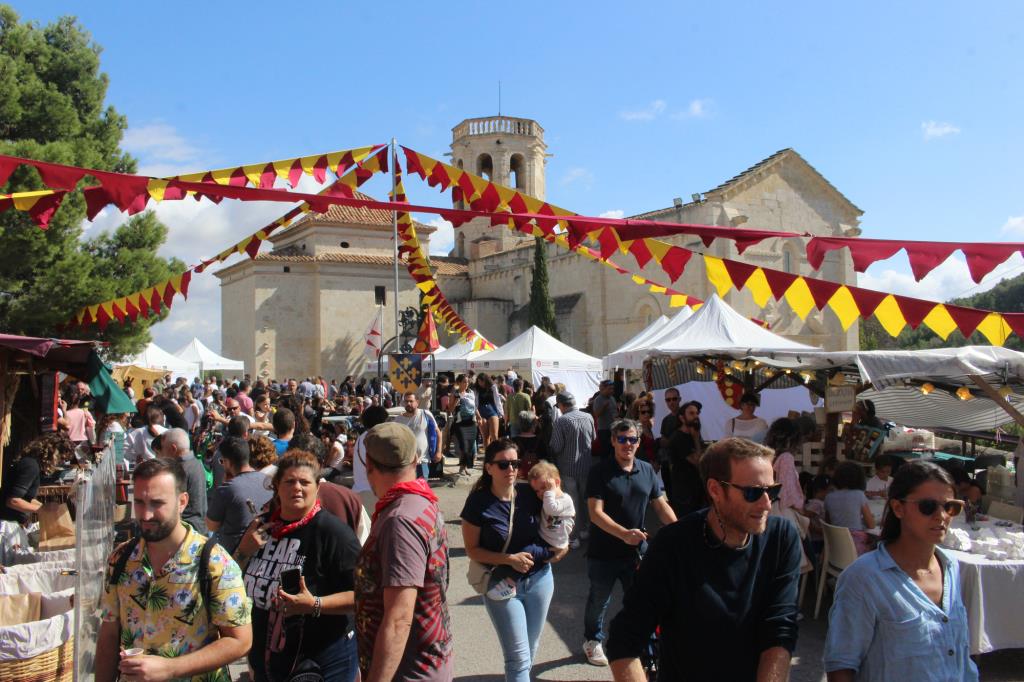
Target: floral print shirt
162, 611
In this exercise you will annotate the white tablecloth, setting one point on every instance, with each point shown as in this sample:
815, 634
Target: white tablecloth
993, 593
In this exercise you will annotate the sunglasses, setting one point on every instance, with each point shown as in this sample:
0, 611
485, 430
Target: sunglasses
622, 440
671, 400
753, 493
929, 506
506, 464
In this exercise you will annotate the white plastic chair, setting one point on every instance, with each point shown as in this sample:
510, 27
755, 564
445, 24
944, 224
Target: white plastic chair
1007, 512
839, 553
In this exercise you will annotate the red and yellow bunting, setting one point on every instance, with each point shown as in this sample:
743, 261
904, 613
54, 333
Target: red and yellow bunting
150, 301
40, 204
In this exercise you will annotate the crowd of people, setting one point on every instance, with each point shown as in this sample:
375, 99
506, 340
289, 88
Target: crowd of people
293, 524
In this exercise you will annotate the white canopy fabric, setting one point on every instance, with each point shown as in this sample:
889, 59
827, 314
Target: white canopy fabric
536, 354
716, 328
457, 357
624, 355
155, 357
196, 351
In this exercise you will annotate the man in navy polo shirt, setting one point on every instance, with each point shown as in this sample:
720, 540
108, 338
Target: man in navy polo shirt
619, 489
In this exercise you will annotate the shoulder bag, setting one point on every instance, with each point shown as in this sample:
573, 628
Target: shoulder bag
479, 574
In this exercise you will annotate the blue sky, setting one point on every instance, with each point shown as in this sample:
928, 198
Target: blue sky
912, 110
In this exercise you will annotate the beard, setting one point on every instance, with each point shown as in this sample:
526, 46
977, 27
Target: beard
160, 532
738, 517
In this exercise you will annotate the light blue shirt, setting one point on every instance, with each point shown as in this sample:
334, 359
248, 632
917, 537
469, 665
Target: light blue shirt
885, 628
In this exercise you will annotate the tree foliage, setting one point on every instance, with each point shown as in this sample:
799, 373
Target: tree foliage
1005, 297
52, 109
542, 309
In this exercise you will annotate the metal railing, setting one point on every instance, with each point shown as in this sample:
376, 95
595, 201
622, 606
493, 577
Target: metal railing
498, 124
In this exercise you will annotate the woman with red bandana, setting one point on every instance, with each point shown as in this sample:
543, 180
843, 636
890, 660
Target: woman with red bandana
309, 628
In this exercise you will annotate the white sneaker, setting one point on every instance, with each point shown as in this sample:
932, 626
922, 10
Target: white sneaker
502, 590
594, 653
574, 543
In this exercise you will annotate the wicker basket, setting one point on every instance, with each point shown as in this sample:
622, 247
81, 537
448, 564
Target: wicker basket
55, 665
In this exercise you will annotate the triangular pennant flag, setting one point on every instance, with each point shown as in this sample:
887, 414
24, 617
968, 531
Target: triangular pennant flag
426, 339
966, 319
779, 282
822, 290
867, 300
914, 310
674, 262
739, 272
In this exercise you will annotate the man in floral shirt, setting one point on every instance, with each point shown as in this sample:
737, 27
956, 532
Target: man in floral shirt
161, 610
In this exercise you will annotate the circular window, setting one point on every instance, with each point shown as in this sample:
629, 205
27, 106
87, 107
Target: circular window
344, 245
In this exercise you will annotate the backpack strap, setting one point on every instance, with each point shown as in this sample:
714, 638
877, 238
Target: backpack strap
203, 577
122, 559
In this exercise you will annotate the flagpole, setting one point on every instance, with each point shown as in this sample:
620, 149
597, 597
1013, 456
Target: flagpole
394, 227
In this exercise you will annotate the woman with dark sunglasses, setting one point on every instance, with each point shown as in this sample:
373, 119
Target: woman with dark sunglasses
898, 612
497, 499
642, 411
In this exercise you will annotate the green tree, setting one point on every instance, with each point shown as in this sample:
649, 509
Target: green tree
542, 310
52, 109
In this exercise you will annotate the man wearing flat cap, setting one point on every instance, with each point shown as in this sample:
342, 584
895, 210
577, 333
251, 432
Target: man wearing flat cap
402, 622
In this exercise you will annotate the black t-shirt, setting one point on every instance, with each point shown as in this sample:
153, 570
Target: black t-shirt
490, 514
688, 493
21, 481
626, 495
326, 550
173, 417
718, 608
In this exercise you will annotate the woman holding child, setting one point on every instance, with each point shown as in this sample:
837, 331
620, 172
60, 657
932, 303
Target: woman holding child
521, 585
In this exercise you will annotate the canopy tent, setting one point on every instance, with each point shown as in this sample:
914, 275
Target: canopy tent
536, 354
196, 351
624, 355
717, 329
457, 357
136, 374
155, 357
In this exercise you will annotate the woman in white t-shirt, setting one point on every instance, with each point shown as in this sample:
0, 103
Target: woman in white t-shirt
746, 424
373, 415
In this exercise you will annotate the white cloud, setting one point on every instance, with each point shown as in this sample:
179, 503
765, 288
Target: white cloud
616, 213
949, 280
1014, 225
649, 113
577, 175
442, 241
935, 129
697, 108
162, 150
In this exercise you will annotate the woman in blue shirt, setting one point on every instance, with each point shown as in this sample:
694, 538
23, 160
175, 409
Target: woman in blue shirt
519, 620
898, 613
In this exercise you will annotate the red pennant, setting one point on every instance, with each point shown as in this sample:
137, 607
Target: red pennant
7, 166
640, 252
1016, 322
925, 257
439, 176
59, 177
739, 272
490, 200
821, 290
465, 186
143, 306
102, 318
779, 282
866, 299
674, 262
168, 294
267, 177
118, 313
914, 310
130, 311
864, 252
413, 163
967, 319
609, 244
253, 246
983, 258
320, 170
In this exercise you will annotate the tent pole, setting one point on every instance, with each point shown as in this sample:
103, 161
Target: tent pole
999, 400
394, 224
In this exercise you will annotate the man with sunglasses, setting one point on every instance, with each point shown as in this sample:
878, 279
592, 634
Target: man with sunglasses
721, 584
619, 489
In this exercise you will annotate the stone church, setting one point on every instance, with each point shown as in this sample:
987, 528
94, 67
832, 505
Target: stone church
303, 307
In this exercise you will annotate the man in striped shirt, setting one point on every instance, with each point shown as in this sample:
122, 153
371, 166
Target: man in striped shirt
572, 438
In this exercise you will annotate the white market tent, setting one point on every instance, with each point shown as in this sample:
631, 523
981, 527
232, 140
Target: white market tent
457, 357
624, 355
155, 357
716, 328
197, 352
536, 354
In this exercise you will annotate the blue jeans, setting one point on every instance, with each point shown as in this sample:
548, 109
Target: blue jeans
603, 573
520, 620
338, 661
423, 471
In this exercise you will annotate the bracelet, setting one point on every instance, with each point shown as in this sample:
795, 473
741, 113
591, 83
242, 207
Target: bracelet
316, 607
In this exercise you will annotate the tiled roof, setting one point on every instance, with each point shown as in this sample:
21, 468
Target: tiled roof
440, 264
356, 215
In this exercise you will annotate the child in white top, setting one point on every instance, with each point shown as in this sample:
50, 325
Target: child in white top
878, 485
557, 518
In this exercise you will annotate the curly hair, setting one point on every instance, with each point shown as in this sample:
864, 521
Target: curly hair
50, 450
262, 452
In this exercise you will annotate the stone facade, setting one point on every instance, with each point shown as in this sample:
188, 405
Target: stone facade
303, 307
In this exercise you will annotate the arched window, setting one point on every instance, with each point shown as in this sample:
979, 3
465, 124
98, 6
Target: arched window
517, 172
484, 166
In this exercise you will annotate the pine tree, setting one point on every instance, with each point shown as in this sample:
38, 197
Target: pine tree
542, 309
52, 108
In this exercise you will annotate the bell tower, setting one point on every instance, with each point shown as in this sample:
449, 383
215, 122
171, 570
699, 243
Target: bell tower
508, 151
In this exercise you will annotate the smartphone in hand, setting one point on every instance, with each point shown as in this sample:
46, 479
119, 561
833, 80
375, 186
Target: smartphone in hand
290, 580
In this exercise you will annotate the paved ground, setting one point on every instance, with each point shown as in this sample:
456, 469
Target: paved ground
478, 655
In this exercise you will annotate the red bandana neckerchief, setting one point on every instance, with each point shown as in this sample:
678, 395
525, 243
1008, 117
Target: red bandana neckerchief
279, 528
415, 487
